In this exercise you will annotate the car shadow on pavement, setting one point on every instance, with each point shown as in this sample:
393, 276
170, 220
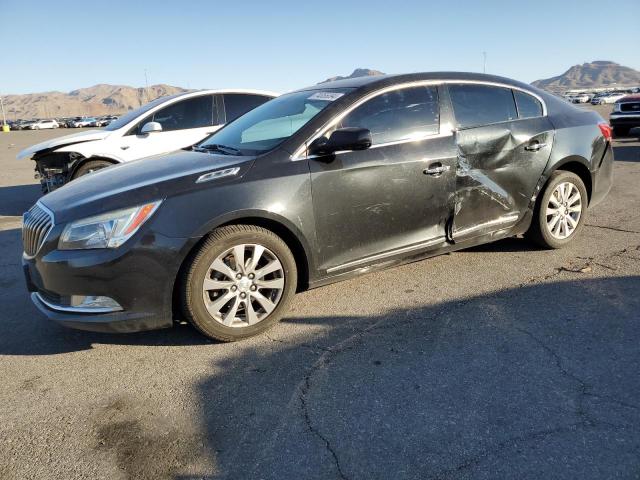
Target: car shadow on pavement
532, 382
17, 199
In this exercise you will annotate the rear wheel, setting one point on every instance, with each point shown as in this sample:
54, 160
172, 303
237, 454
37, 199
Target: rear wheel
239, 283
90, 167
559, 212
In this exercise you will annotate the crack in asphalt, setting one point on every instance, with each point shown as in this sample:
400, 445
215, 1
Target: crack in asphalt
322, 362
314, 348
584, 386
476, 460
586, 266
615, 229
586, 420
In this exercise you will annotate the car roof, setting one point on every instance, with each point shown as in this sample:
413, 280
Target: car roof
384, 80
249, 91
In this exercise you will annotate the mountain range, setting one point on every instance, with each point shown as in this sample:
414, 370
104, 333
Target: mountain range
106, 99
598, 74
100, 99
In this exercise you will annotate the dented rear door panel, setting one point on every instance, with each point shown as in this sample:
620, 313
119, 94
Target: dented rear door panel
497, 172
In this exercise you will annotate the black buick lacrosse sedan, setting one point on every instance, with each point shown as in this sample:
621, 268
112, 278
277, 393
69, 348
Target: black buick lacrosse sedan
313, 187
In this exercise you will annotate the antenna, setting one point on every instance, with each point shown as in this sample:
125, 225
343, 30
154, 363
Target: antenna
484, 62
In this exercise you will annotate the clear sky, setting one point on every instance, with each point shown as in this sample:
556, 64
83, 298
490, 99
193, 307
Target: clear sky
282, 45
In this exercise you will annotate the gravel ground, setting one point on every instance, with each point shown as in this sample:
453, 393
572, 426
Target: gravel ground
502, 361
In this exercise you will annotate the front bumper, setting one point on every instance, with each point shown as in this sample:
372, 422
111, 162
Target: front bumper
139, 276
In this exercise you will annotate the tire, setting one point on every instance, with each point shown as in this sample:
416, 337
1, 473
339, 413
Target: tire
246, 316
90, 167
621, 131
540, 232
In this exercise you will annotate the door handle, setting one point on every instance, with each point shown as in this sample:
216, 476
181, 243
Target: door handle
436, 169
535, 147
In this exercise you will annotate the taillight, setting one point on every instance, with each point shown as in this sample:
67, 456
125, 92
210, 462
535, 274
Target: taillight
607, 131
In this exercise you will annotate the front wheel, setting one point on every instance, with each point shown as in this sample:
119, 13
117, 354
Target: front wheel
239, 283
90, 167
559, 212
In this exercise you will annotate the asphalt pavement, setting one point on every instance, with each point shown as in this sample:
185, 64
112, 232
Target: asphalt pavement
502, 361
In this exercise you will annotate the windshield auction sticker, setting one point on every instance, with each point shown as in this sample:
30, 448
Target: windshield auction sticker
326, 96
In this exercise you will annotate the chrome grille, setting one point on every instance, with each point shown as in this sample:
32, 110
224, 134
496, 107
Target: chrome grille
36, 224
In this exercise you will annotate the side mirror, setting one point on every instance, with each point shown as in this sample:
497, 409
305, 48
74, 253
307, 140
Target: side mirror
350, 138
151, 127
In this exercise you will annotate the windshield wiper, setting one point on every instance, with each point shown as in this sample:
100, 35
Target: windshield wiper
215, 147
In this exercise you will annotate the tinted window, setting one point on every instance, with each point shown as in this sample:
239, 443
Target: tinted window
476, 105
528, 105
191, 113
405, 114
237, 104
133, 114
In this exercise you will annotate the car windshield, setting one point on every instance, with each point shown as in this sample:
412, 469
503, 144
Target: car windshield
267, 126
133, 114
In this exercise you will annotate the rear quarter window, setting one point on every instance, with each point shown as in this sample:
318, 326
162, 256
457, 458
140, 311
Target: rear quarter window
528, 105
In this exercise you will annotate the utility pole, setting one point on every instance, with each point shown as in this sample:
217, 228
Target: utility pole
146, 86
4, 120
484, 62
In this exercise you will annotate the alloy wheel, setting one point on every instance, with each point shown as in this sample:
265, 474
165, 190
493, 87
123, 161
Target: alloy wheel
243, 285
564, 210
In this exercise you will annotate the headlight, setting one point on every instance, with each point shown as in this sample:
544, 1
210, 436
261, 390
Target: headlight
616, 107
109, 230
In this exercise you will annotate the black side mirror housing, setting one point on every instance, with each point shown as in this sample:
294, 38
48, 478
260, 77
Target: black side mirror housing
349, 138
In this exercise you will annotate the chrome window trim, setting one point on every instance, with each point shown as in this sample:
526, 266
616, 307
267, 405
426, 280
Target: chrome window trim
446, 129
60, 308
46, 236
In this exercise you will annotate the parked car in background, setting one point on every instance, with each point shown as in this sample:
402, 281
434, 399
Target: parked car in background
103, 121
626, 114
18, 124
166, 124
611, 98
83, 122
581, 98
72, 120
27, 125
313, 187
42, 125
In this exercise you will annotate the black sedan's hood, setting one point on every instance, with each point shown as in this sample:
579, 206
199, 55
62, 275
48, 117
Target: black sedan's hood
134, 183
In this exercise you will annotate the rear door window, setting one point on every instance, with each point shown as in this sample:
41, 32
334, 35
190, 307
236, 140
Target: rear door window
405, 114
193, 112
237, 104
528, 105
476, 105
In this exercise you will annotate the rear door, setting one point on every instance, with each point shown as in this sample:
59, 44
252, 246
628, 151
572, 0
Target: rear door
504, 143
184, 123
394, 198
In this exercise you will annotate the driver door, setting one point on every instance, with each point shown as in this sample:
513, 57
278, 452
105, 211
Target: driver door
394, 198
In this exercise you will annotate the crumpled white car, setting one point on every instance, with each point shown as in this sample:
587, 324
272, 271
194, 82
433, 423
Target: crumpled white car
161, 126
